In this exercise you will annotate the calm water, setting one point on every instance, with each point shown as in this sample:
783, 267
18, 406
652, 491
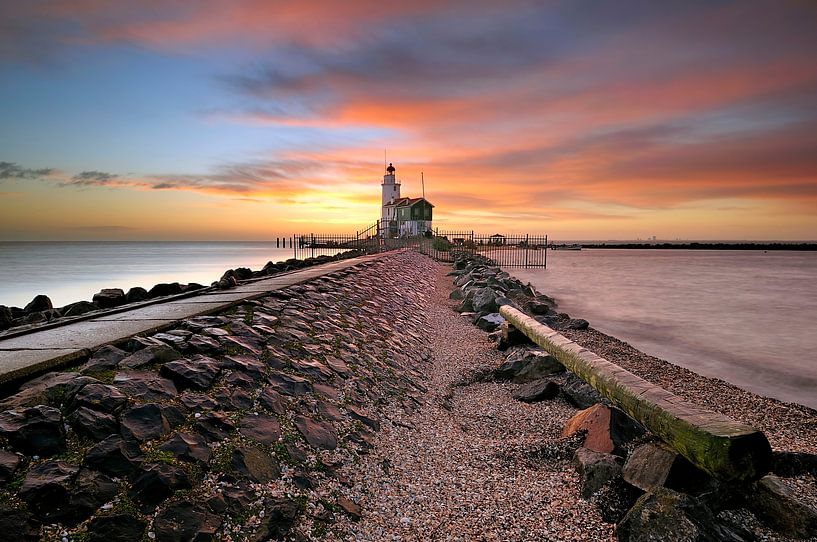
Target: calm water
69, 272
747, 317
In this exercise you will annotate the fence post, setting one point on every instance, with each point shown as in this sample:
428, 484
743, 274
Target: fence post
546, 251
527, 248
294, 246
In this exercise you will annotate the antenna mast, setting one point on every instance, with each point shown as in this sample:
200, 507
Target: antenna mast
423, 180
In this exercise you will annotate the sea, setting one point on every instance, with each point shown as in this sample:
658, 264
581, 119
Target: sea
74, 271
746, 317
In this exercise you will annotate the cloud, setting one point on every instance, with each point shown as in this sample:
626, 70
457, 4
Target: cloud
10, 170
92, 178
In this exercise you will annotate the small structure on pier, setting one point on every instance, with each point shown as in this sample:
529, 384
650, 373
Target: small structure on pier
401, 217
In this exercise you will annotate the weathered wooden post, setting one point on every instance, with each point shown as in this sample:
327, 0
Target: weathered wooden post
724, 448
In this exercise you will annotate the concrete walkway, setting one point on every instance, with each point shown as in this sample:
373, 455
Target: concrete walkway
38, 351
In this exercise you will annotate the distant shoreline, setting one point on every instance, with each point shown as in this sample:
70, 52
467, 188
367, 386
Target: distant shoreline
707, 246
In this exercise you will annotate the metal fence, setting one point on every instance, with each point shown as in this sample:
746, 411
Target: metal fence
443, 245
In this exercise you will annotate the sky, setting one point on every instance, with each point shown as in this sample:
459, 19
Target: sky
246, 120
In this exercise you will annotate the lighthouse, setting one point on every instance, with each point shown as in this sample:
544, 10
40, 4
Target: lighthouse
391, 193
400, 216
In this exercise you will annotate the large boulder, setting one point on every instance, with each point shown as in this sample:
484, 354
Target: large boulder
144, 422
101, 397
537, 390
157, 483
596, 469
668, 515
152, 354
527, 364
39, 304
197, 373
145, 385
116, 527
136, 294
774, 501
655, 464
484, 301
94, 424
608, 429
255, 464
6, 317
35, 431
104, 359
115, 456
52, 389
108, 298
165, 289
490, 322
47, 490
579, 393
184, 521
78, 308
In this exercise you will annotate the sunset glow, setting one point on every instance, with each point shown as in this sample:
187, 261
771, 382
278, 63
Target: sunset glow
253, 119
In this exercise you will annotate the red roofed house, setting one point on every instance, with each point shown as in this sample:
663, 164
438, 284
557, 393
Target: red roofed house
401, 217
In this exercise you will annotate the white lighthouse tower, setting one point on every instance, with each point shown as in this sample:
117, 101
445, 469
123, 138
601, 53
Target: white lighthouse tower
391, 193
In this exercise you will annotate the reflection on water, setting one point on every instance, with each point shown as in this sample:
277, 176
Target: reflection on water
747, 317
69, 272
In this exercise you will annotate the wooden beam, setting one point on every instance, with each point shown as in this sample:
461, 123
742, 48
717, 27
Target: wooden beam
724, 448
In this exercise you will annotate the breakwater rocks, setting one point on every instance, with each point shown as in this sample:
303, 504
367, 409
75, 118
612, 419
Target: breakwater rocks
637, 481
227, 427
41, 311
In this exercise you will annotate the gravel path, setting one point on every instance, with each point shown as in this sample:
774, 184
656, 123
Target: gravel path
463, 466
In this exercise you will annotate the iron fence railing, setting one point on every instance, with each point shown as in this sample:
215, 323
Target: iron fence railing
443, 245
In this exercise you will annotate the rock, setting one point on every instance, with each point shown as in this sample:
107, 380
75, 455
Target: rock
233, 398
774, 502
456, 294
78, 308
197, 373
197, 401
272, 401
157, 483
365, 419
280, 515
538, 390
579, 393
614, 499
102, 397
53, 389
136, 294
314, 369
165, 289
490, 322
352, 509
90, 491
108, 298
596, 469
47, 490
144, 422
577, 323
116, 527
192, 287
187, 447
484, 301
214, 426
794, 463
8, 465
38, 304
16, 523
655, 464
257, 465
290, 384
199, 344
114, 456
667, 515
261, 428
154, 354
185, 521
145, 386
608, 428
317, 434
6, 317
106, 358
92, 423
36, 430
540, 306
525, 365
511, 336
